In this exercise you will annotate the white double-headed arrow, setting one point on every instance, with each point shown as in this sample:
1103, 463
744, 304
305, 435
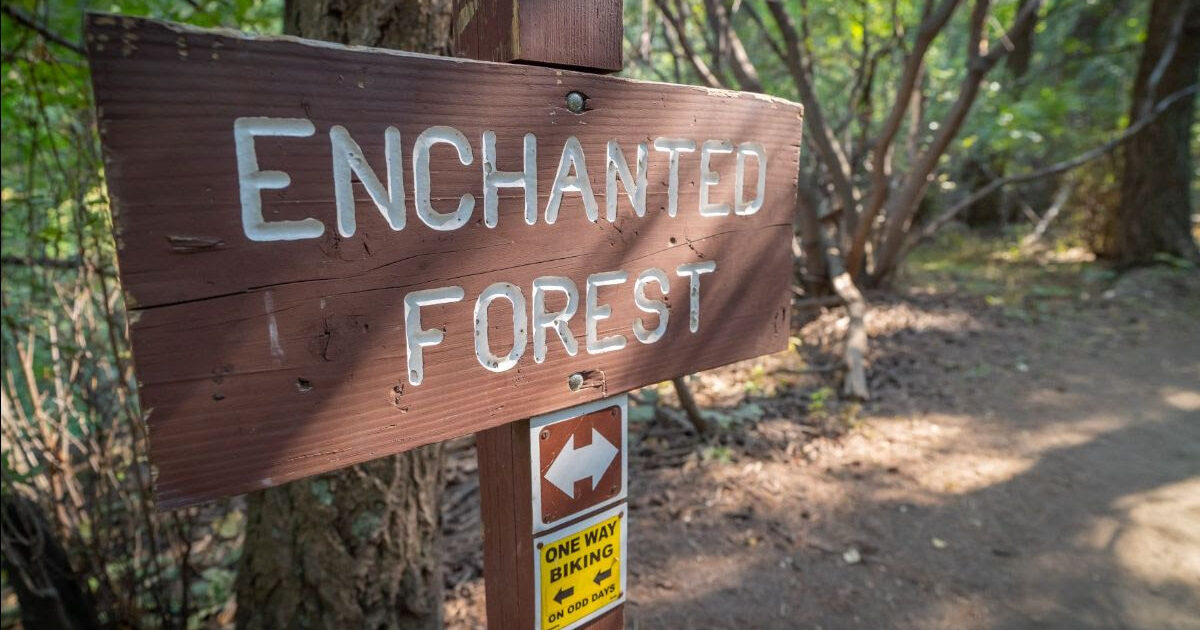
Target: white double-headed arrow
573, 464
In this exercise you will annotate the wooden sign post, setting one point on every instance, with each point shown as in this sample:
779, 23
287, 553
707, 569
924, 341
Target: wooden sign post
331, 254
586, 36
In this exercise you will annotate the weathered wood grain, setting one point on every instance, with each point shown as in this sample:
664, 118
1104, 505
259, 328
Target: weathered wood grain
262, 362
505, 494
581, 34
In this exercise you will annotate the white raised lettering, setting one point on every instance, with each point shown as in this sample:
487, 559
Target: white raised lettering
252, 181
483, 348
673, 147
708, 177
421, 187
544, 320
494, 179
416, 338
347, 159
617, 167
693, 271
572, 159
595, 312
739, 179
649, 305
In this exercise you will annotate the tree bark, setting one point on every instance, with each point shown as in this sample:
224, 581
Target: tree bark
360, 547
412, 25
1154, 215
49, 592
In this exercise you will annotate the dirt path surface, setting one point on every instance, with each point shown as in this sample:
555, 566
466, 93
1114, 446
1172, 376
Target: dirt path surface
1036, 468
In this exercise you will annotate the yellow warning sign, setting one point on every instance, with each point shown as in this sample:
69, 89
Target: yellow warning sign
580, 571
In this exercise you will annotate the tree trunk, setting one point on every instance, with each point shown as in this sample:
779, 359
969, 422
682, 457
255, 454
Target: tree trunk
361, 547
358, 548
1154, 215
412, 25
1021, 54
49, 593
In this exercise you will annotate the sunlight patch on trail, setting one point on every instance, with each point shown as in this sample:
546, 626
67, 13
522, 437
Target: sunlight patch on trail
1155, 540
1182, 399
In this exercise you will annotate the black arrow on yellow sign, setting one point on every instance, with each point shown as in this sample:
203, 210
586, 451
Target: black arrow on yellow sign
563, 593
603, 575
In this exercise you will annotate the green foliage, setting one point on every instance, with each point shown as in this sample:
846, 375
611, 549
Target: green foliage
719, 454
742, 414
1072, 96
819, 400
1024, 283
74, 439
73, 433
1068, 101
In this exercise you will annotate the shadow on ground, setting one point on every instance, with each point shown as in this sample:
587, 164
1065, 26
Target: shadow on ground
1036, 473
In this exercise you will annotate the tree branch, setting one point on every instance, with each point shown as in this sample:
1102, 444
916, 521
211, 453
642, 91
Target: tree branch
831, 153
1054, 169
903, 207
739, 61
677, 34
68, 264
930, 27
19, 16
757, 19
855, 354
1164, 60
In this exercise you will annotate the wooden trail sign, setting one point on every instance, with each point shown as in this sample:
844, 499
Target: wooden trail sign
331, 254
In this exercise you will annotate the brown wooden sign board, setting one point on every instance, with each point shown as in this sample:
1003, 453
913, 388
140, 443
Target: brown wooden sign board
288, 319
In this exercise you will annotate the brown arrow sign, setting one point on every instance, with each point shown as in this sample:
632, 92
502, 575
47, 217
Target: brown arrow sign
579, 460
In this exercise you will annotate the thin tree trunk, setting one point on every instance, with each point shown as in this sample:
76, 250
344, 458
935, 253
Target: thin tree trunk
1154, 215
902, 207
360, 547
688, 402
816, 273
1060, 199
854, 385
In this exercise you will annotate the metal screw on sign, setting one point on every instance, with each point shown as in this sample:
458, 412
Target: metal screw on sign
575, 101
575, 381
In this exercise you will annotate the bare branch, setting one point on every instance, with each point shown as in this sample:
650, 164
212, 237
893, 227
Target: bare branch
739, 61
756, 17
677, 33
19, 16
836, 163
855, 353
688, 402
931, 26
69, 264
903, 207
1060, 200
1054, 169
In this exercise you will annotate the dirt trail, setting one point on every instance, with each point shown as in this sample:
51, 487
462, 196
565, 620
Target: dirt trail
1015, 472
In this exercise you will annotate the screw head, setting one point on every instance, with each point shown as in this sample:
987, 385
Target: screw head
575, 381
575, 101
